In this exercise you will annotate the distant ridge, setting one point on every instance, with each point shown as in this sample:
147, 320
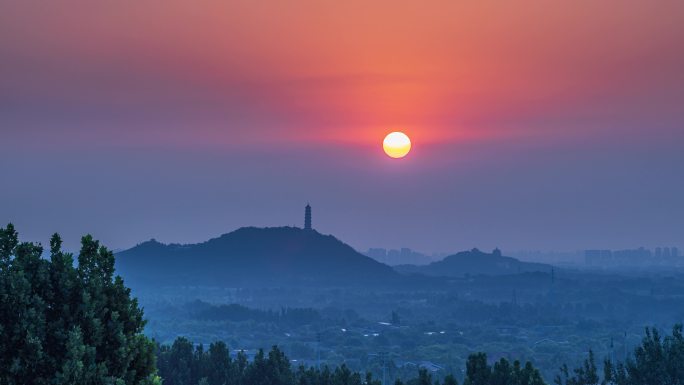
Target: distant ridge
253, 256
474, 262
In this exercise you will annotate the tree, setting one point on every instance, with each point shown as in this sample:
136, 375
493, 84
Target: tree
343, 376
278, 367
64, 325
587, 374
502, 372
176, 366
477, 370
656, 361
450, 380
74, 370
424, 377
529, 375
219, 364
273, 368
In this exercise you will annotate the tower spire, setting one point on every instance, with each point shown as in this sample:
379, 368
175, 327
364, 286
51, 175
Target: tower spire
307, 217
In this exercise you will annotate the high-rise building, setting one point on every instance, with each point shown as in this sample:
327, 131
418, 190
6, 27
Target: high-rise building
598, 257
379, 254
307, 217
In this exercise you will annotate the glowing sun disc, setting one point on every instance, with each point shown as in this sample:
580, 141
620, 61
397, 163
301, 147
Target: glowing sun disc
396, 144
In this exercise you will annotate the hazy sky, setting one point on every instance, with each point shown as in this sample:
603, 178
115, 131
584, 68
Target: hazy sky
535, 124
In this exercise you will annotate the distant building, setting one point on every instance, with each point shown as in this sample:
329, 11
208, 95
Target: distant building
659, 257
393, 256
403, 256
598, 257
307, 217
379, 254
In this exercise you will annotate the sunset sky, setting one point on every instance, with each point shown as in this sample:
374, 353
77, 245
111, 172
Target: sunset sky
534, 124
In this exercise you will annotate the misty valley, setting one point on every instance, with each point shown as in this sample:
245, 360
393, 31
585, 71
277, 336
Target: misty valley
289, 306
324, 304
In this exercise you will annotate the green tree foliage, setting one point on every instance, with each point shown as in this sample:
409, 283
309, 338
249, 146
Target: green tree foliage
587, 374
478, 372
450, 380
424, 377
185, 364
656, 361
182, 363
65, 325
218, 364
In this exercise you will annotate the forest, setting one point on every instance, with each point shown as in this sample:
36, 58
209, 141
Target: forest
67, 320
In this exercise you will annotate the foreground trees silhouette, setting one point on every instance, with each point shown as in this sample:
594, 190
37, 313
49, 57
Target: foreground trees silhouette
61, 324
657, 361
185, 364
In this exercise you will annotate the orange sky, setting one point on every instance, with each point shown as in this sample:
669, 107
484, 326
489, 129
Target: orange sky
321, 70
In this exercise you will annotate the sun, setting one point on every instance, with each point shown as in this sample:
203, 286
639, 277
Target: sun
396, 144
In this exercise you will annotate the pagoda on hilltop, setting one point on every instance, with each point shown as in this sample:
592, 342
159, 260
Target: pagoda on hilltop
307, 217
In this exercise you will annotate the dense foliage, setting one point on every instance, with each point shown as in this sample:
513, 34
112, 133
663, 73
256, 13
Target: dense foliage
186, 364
61, 324
528, 317
656, 361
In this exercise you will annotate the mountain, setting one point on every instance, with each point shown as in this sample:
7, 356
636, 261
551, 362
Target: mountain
474, 262
253, 257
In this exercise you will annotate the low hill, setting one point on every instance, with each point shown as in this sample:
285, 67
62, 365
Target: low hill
474, 262
253, 257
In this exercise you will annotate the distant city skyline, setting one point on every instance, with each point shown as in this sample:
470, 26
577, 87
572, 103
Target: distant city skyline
595, 257
429, 254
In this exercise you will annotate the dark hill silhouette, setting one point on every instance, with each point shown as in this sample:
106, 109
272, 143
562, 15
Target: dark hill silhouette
253, 256
474, 262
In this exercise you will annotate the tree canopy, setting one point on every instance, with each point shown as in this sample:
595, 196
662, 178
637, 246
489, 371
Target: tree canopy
67, 324
655, 361
184, 363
